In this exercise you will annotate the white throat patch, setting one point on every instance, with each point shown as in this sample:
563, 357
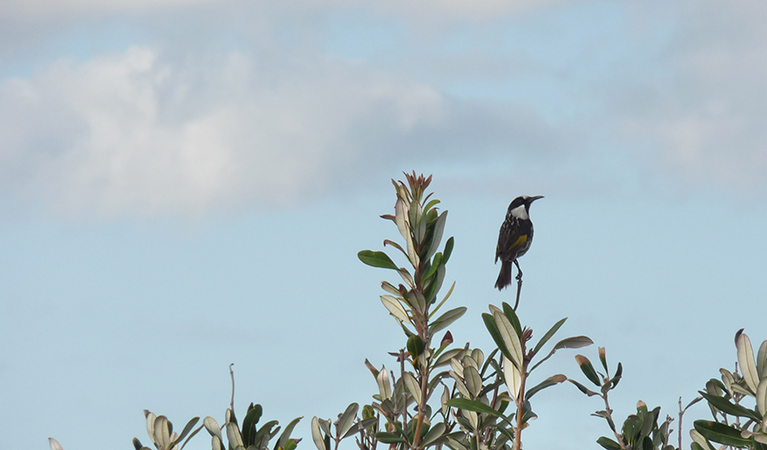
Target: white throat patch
520, 212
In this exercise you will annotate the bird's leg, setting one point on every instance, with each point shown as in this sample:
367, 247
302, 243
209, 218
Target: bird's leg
519, 284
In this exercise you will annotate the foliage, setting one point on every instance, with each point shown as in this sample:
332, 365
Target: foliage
458, 397
639, 431
473, 411
734, 424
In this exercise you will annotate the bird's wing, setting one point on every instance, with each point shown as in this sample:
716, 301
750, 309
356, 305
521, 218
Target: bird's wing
509, 241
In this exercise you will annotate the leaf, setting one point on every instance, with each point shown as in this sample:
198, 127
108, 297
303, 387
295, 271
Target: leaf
510, 339
746, 360
433, 267
472, 405
285, 436
574, 342
249, 424
233, 435
347, 419
587, 369
319, 442
212, 426
617, 377
384, 385
721, 433
415, 346
393, 305
162, 431
548, 382
510, 314
548, 335
265, 434
439, 228
448, 250
761, 398
447, 356
473, 381
55, 445
376, 259
700, 441
724, 405
412, 386
608, 443
389, 438
400, 217
445, 320
512, 376
761, 361
492, 328
435, 432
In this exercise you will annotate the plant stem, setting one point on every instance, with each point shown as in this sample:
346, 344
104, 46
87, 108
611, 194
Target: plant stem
520, 401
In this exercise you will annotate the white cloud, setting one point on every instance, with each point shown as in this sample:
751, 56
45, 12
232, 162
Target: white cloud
456, 9
139, 132
702, 120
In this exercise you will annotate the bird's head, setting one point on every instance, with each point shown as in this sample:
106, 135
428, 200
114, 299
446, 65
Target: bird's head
520, 206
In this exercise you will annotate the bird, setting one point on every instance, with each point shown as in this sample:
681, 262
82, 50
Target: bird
514, 239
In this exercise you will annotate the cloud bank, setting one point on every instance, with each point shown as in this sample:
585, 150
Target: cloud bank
140, 133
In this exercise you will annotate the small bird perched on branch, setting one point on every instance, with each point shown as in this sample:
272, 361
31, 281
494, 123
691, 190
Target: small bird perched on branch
514, 239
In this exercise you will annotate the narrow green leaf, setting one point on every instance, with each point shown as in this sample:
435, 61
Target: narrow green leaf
574, 342
347, 419
548, 382
446, 319
187, 429
389, 438
448, 250
376, 259
438, 230
492, 328
435, 433
724, 405
510, 314
249, 424
548, 335
721, 433
472, 405
617, 377
266, 433
285, 436
433, 267
608, 443
588, 369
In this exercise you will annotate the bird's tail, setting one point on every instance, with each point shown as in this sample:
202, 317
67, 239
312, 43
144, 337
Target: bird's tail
504, 278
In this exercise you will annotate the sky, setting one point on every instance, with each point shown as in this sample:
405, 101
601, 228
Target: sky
185, 184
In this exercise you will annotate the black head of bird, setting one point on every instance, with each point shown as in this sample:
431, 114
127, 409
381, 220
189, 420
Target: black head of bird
515, 238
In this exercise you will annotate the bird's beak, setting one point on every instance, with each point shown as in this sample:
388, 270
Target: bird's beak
532, 199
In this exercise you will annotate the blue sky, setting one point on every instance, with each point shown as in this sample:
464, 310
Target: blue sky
185, 184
